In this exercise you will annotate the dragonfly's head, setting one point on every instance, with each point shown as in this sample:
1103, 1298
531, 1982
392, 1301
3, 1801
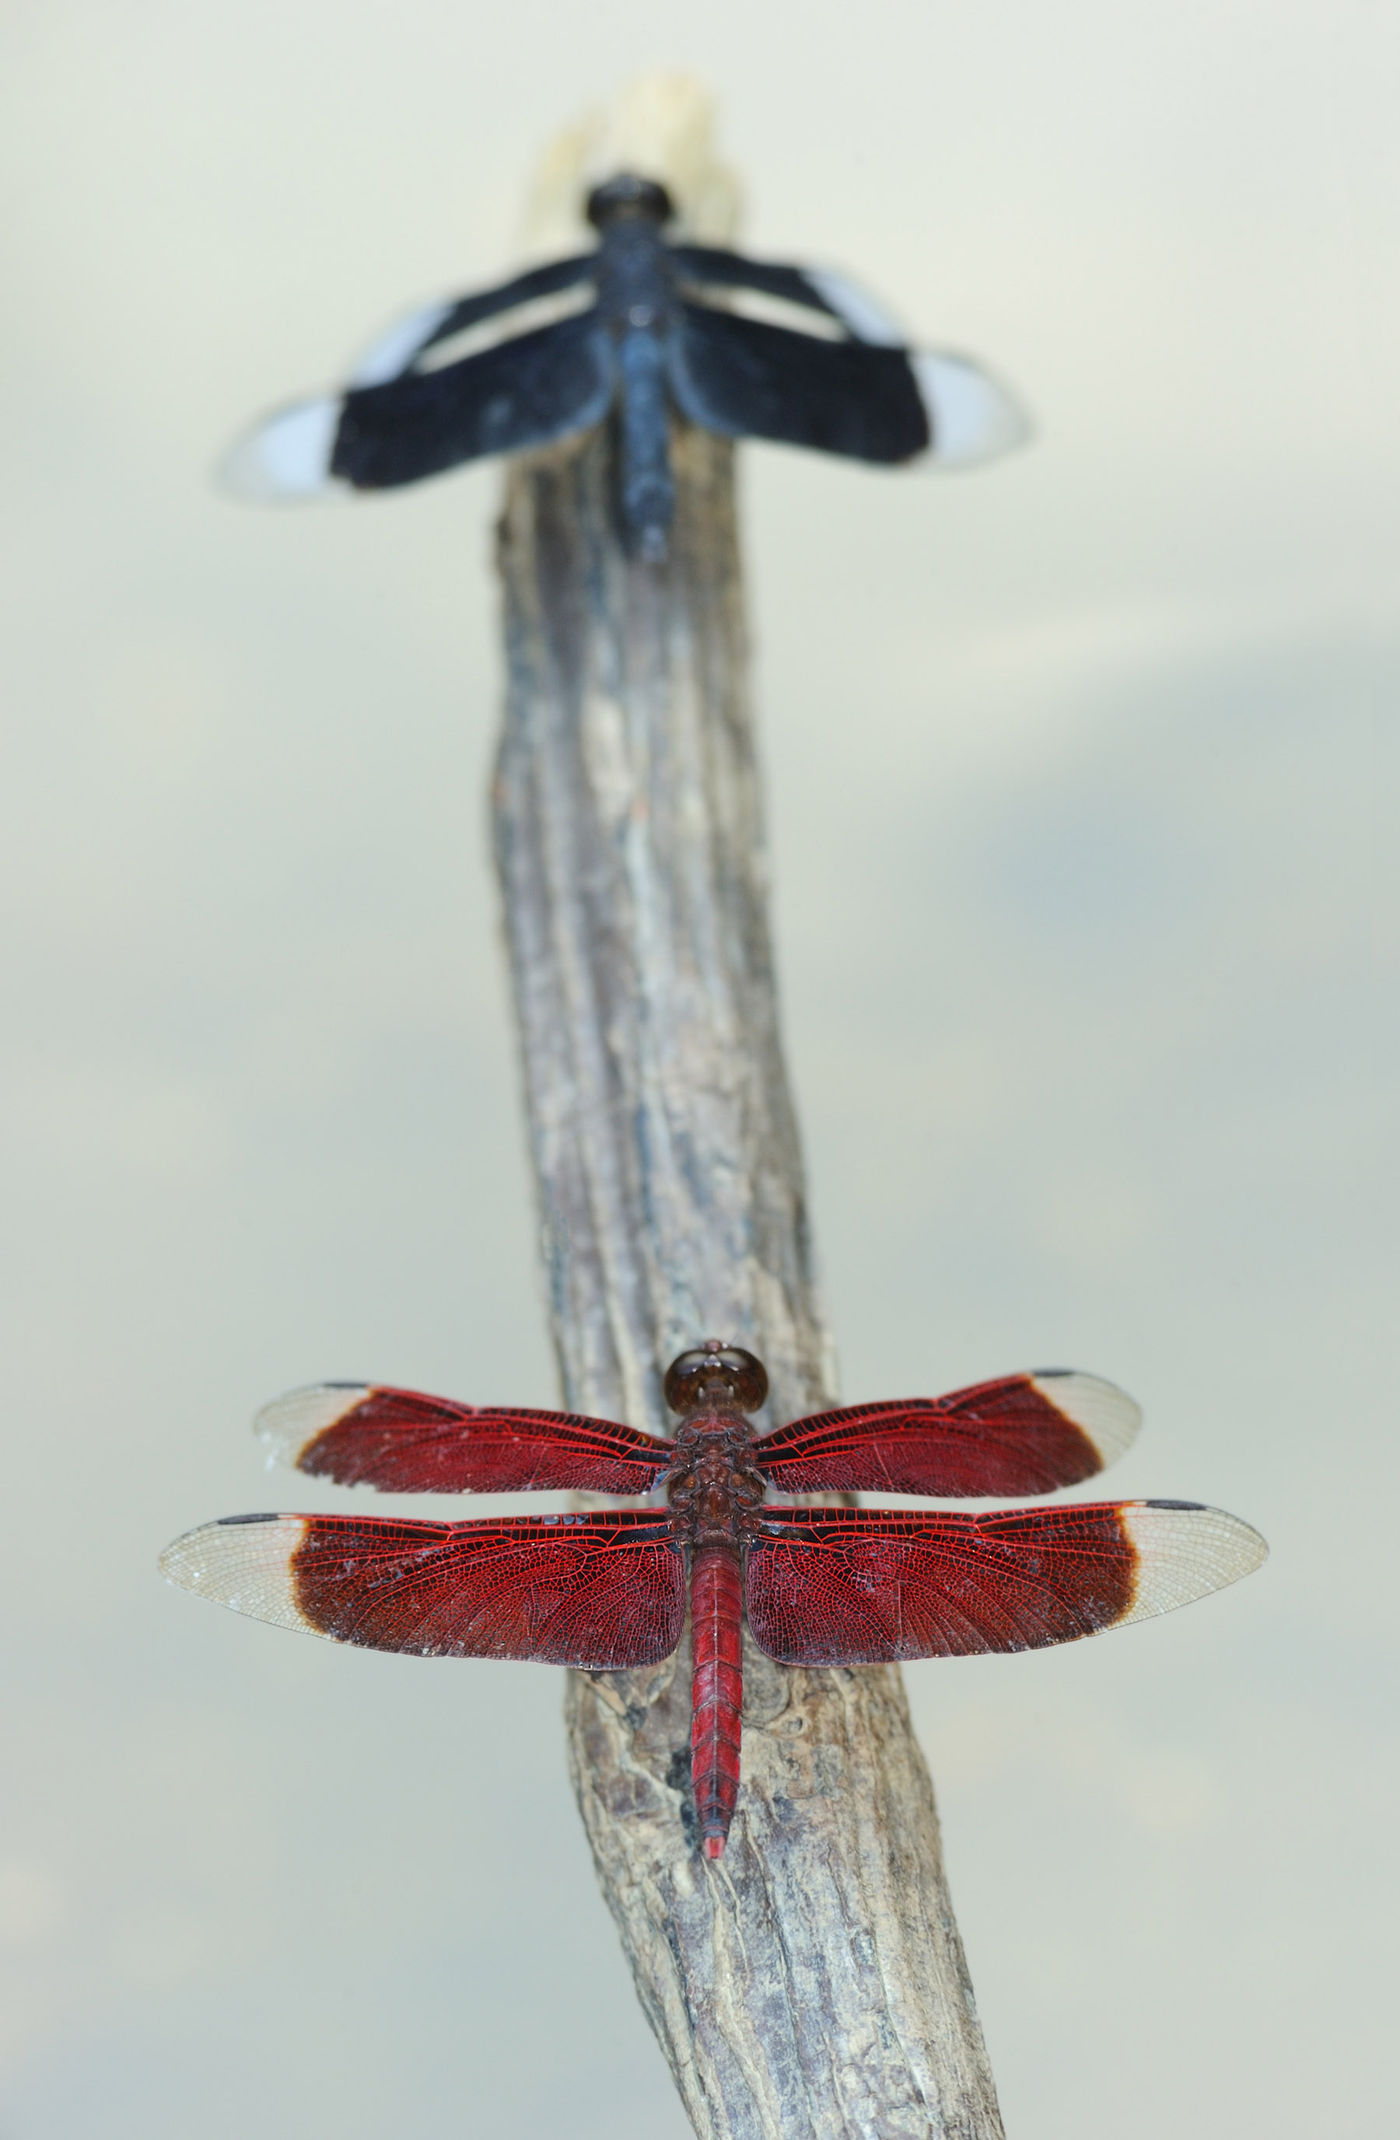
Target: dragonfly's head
716, 1373
629, 199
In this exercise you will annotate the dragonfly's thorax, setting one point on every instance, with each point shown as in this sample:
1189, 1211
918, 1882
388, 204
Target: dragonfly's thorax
714, 1484
635, 279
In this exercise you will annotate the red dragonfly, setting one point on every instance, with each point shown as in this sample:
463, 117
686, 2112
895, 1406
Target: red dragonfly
607, 1591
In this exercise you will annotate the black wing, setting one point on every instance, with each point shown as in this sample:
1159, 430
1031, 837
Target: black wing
521, 393
412, 334
746, 378
970, 415
711, 265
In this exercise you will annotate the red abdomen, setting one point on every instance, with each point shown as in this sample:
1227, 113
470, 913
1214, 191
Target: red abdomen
717, 1697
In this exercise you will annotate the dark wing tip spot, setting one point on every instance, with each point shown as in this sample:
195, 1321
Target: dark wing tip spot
221, 1521
1173, 1504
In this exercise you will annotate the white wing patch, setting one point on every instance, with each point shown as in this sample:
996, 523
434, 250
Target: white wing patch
395, 349
287, 455
290, 1422
245, 1564
1184, 1552
1108, 1416
972, 416
857, 309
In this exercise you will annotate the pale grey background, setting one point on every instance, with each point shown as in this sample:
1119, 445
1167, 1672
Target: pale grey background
1084, 784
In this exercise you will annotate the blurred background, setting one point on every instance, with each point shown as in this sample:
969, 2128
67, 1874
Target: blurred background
1083, 780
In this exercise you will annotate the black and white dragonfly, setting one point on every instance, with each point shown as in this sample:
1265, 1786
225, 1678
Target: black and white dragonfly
639, 326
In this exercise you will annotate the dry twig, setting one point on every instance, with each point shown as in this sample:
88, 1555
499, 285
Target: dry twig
812, 1981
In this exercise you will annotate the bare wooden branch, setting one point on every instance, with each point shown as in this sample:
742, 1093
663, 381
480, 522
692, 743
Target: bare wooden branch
811, 1982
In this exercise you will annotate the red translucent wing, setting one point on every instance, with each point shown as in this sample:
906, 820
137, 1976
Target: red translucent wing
1024, 1434
840, 1586
404, 1442
600, 1591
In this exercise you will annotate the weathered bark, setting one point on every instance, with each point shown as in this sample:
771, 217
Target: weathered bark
811, 1982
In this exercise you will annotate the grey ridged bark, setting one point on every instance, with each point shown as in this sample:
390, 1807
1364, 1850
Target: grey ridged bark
812, 1981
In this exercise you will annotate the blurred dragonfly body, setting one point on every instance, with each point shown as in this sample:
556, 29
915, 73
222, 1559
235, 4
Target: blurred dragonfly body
634, 330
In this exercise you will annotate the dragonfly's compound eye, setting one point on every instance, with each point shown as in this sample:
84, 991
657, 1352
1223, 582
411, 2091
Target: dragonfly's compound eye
716, 1371
628, 198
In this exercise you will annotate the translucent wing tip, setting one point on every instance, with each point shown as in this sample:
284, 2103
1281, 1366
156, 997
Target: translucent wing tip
972, 416
1184, 1551
868, 319
1106, 1415
289, 1424
285, 457
244, 1562
392, 351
